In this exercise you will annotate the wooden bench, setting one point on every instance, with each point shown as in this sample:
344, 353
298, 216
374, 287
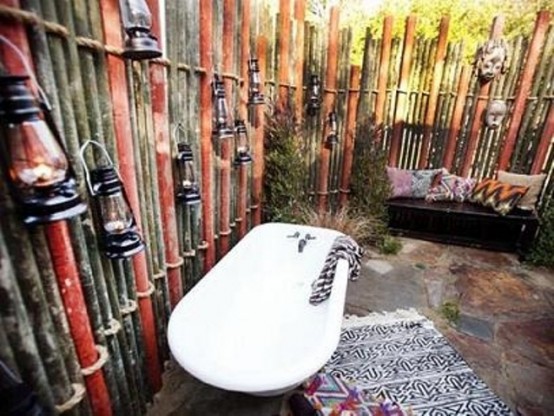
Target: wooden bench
463, 224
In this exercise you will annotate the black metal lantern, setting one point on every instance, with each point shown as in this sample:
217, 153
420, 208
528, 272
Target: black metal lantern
221, 114
140, 44
40, 174
189, 191
255, 96
314, 95
333, 132
242, 144
120, 235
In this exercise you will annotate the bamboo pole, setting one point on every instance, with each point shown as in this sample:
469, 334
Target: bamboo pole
6, 353
545, 142
226, 144
366, 81
349, 137
206, 51
401, 92
158, 81
525, 83
283, 56
328, 106
480, 107
384, 67
63, 260
434, 91
299, 15
258, 148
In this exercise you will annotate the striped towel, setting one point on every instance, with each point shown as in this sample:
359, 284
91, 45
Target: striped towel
344, 247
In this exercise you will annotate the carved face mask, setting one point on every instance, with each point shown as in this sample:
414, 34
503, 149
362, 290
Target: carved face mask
495, 114
491, 59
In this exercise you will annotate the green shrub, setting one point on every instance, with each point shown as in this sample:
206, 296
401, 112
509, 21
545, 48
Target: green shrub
542, 252
285, 168
389, 244
450, 311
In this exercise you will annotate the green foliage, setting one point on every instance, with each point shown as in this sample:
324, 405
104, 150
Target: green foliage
450, 310
389, 245
542, 253
285, 169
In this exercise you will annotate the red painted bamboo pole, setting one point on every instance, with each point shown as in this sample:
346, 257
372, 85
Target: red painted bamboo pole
386, 44
63, 257
206, 148
158, 83
67, 275
482, 99
284, 50
299, 15
434, 92
226, 144
327, 107
351, 111
258, 162
127, 169
402, 91
547, 138
455, 123
525, 83
242, 194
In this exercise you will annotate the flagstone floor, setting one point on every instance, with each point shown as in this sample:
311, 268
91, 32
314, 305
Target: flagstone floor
504, 327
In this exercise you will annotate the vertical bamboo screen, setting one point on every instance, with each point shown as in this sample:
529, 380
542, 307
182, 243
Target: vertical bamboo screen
89, 334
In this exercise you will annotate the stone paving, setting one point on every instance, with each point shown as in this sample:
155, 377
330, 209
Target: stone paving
504, 328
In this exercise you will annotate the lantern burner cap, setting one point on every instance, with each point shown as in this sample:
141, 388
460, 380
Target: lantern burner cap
141, 45
16, 100
185, 152
105, 180
243, 158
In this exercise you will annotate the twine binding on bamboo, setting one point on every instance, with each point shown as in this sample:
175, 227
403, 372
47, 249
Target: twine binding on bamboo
175, 265
103, 357
79, 392
147, 293
190, 253
30, 18
129, 308
113, 327
160, 275
203, 246
225, 233
344, 191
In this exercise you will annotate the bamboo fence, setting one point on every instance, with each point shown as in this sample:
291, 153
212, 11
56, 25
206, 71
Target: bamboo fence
89, 334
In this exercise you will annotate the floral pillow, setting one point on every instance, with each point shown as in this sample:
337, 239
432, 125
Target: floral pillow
451, 188
500, 196
411, 183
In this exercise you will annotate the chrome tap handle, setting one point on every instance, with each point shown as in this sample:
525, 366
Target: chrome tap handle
295, 235
310, 237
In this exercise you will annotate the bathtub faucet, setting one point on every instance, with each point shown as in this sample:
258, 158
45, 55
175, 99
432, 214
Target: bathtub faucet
301, 244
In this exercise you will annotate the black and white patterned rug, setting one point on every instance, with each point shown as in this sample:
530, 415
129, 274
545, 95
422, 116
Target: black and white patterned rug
402, 357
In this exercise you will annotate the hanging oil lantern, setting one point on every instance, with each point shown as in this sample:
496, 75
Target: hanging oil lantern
119, 232
189, 191
242, 144
333, 132
314, 95
221, 114
41, 177
255, 96
140, 44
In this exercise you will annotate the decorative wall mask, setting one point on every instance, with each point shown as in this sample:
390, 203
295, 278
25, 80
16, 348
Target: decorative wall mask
496, 111
491, 59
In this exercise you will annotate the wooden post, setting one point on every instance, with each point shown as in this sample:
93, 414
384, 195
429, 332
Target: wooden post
284, 50
480, 107
524, 87
127, 169
158, 82
63, 260
547, 139
226, 144
455, 123
258, 148
402, 91
299, 15
206, 147
242, 194
386, 44
434, 92
349, 137
327, 107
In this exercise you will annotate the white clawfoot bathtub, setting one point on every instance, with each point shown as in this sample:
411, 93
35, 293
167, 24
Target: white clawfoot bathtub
248, 325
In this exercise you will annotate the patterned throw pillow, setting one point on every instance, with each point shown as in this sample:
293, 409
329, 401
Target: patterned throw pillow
451, 188
500, 196
534, 182
411, 183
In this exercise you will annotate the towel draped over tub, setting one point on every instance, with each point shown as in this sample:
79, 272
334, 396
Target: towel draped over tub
344, 247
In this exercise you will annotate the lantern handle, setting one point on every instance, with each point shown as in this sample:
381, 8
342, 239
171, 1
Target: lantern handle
42, 95
84, 163
177, 129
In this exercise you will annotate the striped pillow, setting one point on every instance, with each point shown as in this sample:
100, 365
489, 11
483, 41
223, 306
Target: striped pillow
500, 196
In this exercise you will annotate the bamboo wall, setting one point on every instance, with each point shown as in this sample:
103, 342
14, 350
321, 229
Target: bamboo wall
87, 333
